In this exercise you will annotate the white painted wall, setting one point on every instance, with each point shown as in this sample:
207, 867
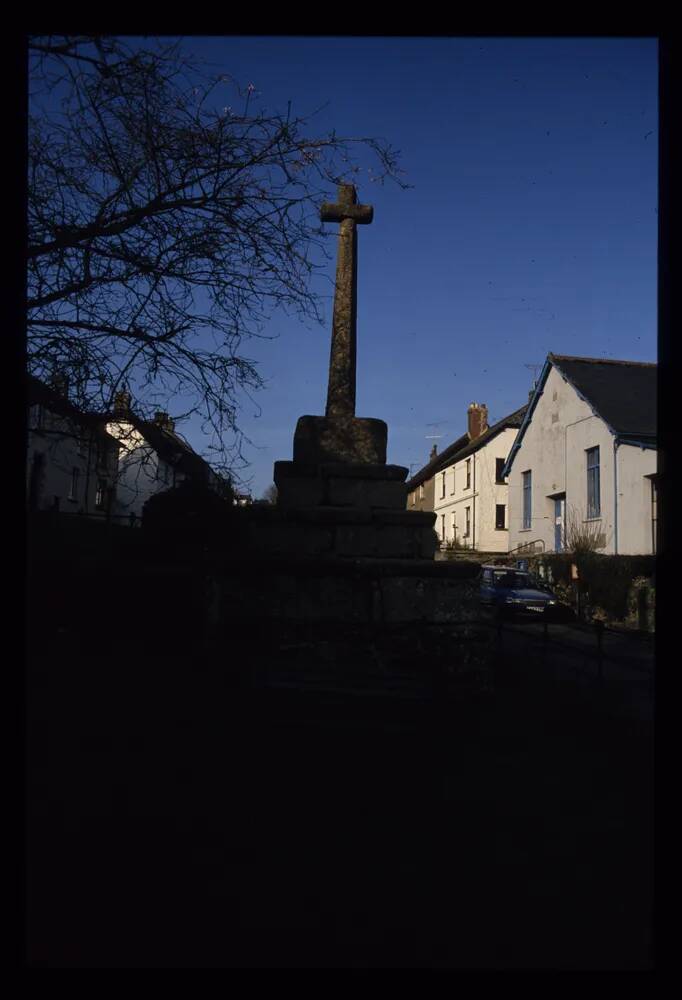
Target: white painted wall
563, 427
481, 497
141, 472
65, 445
634, 499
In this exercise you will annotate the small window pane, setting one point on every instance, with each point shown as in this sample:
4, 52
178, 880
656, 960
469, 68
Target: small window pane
527, 514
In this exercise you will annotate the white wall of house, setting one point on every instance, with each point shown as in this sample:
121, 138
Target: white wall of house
554, 450
61, 467
141, 472
460, 506
635, 466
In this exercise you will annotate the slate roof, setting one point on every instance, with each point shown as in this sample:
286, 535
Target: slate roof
39, 393
45, 395
171, 448
623, 393
464, 446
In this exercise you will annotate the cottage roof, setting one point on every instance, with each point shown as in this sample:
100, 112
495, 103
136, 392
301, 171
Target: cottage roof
464, 446
166, 443
622, 393
171, 448
39, 393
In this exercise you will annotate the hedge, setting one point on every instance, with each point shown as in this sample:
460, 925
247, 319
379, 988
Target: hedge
605, 581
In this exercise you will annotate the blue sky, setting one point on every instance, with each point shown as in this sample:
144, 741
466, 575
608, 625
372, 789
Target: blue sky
530, 226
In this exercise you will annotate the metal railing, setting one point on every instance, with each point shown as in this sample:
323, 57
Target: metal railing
526, 549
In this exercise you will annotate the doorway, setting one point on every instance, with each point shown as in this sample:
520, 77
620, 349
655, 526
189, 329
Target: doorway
559, 522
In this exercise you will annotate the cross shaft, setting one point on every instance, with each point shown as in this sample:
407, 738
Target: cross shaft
342, 362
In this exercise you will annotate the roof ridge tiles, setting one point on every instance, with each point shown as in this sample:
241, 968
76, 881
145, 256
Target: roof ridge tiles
601, 361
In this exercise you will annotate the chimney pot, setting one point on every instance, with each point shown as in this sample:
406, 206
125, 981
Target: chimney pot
477, 416
434, 452
60, 383
161, 419
122, 403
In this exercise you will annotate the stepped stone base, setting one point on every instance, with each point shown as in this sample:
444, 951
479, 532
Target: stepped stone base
337, 484
341, 531
375, 591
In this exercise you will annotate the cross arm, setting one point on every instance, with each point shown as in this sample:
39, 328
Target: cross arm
362, 214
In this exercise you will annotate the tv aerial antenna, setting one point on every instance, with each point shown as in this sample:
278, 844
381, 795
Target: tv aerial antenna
534, 369
436, 423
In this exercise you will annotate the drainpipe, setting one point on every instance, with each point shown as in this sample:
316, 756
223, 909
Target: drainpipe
616, 443
473, 513
87, 469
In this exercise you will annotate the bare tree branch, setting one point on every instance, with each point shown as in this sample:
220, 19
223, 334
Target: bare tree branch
166, 227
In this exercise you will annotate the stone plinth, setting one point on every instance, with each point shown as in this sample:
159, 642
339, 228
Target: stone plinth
336, 484
343, 532
345, 509
323, 587
340, 439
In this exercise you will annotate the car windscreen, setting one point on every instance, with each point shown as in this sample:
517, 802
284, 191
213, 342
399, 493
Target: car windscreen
512, 580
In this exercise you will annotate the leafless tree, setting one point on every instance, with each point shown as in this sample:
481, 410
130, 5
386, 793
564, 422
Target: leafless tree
582, 536
270, 494
169, 215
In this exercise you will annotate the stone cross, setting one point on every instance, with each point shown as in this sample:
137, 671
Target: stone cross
341, 391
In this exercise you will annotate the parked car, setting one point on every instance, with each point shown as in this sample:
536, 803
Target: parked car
518, 592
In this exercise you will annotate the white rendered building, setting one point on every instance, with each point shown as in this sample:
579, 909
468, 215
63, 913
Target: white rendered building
470, 493
585, 459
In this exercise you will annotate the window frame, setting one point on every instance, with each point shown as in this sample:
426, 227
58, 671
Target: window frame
527, 496
499, 465
593, 483
73, 484
101, 493
500, 507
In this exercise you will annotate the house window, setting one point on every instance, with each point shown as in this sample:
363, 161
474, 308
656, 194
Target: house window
654, 515
526, 477
442, 485
593, 503
442, 527
100, 495
499, 465
454, 526
73, 487
105, 455
467, 521
36, 480
468, 482
499, 516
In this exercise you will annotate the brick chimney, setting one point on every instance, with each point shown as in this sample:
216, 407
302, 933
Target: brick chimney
162, 420
477, 416
122, 403
60, 383
434, 452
